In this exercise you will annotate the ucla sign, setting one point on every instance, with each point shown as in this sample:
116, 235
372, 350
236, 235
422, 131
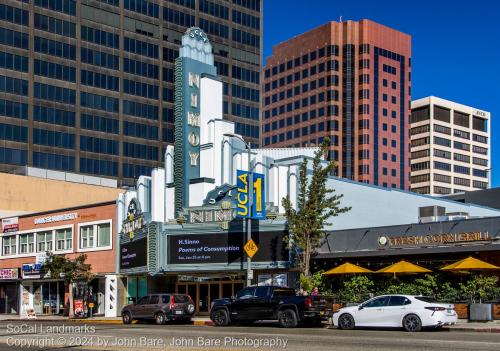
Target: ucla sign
258, 208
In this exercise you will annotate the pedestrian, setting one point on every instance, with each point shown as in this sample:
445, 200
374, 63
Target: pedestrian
300, 292
315, 291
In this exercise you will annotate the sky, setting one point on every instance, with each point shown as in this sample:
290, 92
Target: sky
455, 45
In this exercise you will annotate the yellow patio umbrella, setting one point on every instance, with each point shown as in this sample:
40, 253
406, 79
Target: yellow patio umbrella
469, 264
347, 268
403, 267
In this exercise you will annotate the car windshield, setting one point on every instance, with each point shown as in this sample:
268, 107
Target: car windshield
426, 299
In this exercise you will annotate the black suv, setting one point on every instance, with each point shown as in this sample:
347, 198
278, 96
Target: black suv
161, 308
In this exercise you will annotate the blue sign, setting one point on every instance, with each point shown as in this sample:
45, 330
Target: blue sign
258, 210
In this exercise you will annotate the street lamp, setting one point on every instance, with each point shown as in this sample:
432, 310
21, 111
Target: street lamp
250, 198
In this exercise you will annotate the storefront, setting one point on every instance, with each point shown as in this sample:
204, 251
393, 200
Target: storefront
9, 291
88, 230
205, 260
432, 244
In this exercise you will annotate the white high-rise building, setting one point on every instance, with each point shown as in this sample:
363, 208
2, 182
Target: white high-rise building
450, 147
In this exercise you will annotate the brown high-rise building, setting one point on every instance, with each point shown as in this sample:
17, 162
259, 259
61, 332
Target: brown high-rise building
348, 81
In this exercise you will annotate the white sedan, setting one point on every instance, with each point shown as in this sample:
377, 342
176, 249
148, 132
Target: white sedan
407, 311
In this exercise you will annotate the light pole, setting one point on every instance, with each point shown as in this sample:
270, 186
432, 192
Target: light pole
250, 198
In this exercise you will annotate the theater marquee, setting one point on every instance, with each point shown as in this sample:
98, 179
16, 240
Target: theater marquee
433, 239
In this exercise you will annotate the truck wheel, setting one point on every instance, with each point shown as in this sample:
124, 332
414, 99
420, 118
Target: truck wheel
220, 318
288, 319
412, 323
346, 322
126, 318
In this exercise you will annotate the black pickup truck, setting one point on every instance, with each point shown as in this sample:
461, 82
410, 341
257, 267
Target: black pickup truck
271, 303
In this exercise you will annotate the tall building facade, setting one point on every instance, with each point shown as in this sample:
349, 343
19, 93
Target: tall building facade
450, 147
350, 82
87, 86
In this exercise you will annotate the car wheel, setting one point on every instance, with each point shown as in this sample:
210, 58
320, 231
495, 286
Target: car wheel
288, 319
346, 322
220, 318
160, 318
412, 323
126, 318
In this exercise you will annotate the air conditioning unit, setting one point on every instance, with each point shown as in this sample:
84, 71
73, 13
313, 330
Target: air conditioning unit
427, 214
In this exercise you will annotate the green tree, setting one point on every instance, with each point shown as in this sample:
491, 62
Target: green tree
70, 270
356, 289
315, 205
479, 288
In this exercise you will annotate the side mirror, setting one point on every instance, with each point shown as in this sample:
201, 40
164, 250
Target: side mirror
360, 307
232, 298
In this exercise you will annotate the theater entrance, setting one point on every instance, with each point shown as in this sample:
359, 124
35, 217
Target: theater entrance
205, 290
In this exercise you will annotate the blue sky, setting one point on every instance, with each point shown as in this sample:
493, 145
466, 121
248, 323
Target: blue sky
455, 45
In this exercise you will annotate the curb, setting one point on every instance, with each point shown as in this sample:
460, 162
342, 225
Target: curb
477, 330
205, 323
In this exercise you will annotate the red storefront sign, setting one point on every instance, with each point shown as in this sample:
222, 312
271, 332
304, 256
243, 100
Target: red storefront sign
10, 224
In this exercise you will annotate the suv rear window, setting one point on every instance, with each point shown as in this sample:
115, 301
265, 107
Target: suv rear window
181, 298
426, 299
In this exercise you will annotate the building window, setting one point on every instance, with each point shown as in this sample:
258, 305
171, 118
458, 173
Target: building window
64, 239
26, 243
44, 241
461, 119
442, 114
420, 114
95, 235
9, 245
442, 178
442, 190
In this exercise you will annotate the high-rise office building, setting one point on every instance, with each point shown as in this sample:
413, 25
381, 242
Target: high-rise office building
348, 81
450, 147
87, 86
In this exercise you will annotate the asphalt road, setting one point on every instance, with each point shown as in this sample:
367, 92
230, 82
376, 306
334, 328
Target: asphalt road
69, 335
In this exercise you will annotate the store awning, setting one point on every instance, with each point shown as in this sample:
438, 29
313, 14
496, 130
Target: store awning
469, 264
347, 268
403, 267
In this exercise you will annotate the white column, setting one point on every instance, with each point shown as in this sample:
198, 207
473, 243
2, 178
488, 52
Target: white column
169, 164
158, 195
111, 296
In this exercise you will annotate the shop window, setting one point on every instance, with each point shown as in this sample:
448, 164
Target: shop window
95, 235
64, 239
9, 245
26, 243
44, 241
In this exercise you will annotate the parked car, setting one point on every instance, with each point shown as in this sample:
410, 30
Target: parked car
161, 308
271, 303
407, 311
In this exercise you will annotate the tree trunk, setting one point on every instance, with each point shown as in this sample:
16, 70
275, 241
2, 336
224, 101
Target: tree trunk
71, 307
307, 257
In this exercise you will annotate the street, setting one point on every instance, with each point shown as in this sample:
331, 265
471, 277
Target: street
63, 335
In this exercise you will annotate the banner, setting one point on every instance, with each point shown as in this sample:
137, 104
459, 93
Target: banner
258, 210
10, 224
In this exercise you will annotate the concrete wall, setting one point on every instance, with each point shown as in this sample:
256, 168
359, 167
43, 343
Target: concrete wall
21, 194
